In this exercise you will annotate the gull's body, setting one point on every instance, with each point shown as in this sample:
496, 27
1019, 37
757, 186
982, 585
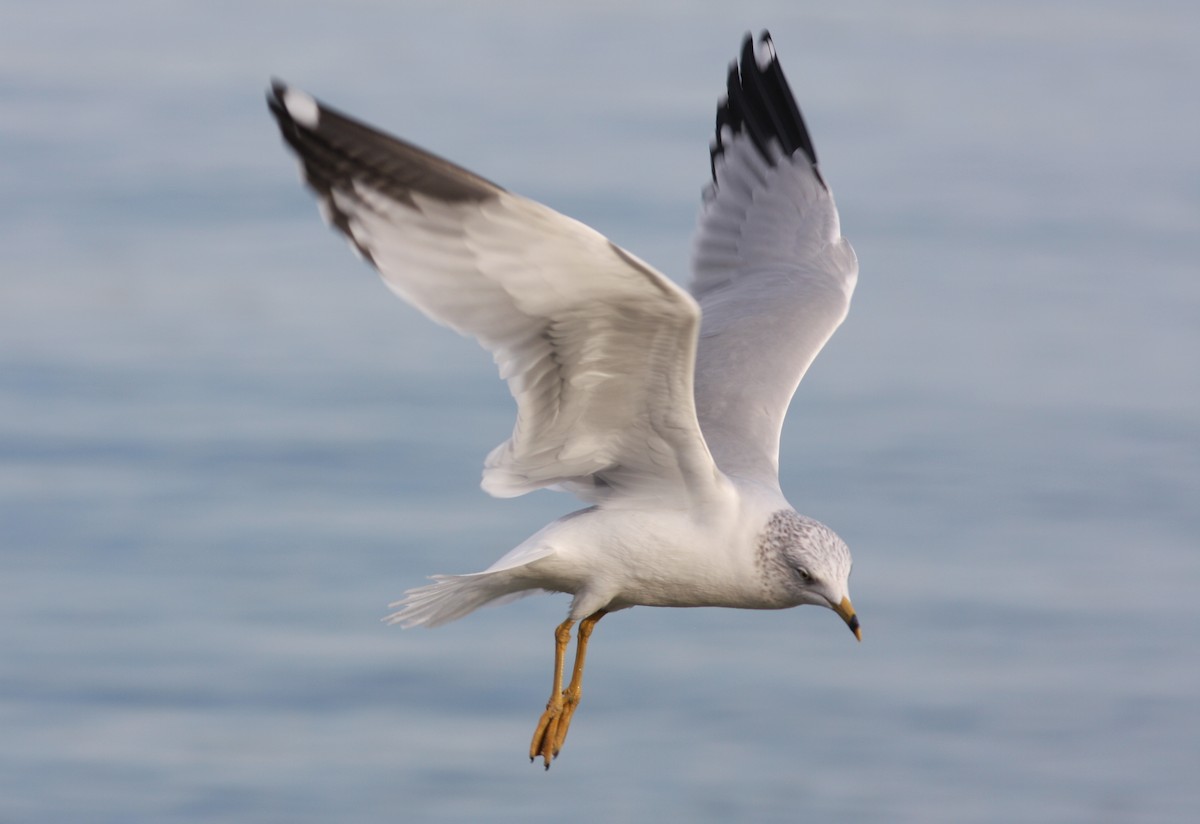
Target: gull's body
610, 558
662, 409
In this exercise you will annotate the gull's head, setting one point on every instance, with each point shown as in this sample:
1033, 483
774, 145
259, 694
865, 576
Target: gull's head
805, 562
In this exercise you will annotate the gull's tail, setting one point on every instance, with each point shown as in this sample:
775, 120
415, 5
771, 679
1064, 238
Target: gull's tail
450, 597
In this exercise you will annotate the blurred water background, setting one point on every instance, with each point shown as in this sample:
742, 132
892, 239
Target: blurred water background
224, 448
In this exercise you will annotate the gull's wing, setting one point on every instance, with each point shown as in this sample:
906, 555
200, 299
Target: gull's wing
771, 271
598, 348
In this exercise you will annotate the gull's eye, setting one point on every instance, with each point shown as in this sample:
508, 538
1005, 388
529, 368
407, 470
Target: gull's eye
804, 574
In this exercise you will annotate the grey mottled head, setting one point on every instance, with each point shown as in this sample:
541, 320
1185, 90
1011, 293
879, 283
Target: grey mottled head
805, 562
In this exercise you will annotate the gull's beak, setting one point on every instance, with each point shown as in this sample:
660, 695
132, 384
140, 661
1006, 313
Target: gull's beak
846, 610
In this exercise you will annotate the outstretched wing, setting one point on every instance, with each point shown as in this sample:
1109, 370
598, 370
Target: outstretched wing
770, 269
597, 347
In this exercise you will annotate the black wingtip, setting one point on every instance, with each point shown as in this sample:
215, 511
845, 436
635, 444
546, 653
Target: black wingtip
276, 89
759, 103
748, 58
275, 93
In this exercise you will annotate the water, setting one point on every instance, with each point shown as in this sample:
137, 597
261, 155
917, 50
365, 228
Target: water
224, 448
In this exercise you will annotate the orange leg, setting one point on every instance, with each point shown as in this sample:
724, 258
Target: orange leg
552, 728
543, 736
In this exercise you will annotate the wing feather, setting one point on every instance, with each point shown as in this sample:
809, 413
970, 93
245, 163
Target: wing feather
598, 349
771, 271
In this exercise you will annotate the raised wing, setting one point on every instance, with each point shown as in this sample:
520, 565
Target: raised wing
598, 348
770, 269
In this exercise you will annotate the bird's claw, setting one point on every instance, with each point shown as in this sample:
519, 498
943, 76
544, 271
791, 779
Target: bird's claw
552, 728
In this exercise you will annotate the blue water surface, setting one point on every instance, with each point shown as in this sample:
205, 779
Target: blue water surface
224, 448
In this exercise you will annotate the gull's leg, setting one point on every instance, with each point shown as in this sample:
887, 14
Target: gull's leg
547, 727
574, 690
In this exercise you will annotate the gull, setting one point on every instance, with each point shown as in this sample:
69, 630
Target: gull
660, 409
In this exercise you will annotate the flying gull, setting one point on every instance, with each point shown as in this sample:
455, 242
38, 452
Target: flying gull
660, 408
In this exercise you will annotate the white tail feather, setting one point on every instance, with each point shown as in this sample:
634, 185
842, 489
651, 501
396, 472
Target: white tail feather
450, 597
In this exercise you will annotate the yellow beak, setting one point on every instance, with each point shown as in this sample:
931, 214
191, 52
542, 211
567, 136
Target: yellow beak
846, 610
